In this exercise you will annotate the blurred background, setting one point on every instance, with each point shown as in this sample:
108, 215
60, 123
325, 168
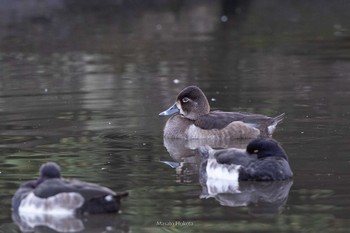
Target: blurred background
82, 83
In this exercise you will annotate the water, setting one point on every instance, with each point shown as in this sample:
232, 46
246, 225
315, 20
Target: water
82, 85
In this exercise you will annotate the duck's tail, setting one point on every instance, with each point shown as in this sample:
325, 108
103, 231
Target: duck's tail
102, 204
122, 194
275, 121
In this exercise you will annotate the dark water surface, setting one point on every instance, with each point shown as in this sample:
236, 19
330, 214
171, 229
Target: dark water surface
82, 84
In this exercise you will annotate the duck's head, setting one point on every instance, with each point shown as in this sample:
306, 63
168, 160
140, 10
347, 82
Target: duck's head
266, 147
50, 170
191, 103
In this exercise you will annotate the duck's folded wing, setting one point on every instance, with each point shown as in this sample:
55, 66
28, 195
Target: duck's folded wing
87, 190
267, 170
219, 120
233, 156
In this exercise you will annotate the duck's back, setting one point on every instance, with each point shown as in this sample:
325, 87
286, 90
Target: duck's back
95, 198
220, 120
55, 186
234, 156
268, 169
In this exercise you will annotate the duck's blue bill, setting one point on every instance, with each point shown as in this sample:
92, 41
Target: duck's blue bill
172, 110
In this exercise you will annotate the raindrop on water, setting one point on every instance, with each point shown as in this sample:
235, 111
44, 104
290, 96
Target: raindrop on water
224, 18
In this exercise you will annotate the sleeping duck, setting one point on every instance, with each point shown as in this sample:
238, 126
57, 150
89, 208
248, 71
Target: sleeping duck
52, 194
194, 120
263, 160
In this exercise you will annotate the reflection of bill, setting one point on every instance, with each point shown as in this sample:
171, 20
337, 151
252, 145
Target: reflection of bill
69, 223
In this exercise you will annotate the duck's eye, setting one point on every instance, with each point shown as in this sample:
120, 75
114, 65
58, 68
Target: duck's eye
256, 151
185, 99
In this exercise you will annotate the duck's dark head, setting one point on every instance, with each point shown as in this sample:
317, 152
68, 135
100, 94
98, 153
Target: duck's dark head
192, 102
50, 170
266, 148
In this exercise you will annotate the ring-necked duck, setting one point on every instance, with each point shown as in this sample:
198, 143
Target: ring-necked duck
194, 120
263, 160
52, 194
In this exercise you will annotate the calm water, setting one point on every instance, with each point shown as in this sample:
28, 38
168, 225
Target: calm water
82, 84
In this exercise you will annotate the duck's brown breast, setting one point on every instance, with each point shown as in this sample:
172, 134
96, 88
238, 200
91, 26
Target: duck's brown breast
176, 127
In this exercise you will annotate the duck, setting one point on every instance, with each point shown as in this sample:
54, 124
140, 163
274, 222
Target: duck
263, 160
192, 119
52, 194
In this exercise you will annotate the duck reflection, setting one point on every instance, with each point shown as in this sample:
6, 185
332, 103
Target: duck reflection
261, 198
258, 176
179, 148
56, 223
186, 159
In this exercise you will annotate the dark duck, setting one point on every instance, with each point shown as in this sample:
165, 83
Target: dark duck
52, 194
263, 160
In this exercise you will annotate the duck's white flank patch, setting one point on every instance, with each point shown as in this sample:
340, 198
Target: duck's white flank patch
60, 204
272, 128
222, 171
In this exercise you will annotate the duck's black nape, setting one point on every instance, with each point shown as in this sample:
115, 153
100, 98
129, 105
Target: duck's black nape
50, 170
264, 147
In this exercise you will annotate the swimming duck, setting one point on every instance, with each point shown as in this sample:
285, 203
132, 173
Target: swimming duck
263, 160
52, 194
194, 120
